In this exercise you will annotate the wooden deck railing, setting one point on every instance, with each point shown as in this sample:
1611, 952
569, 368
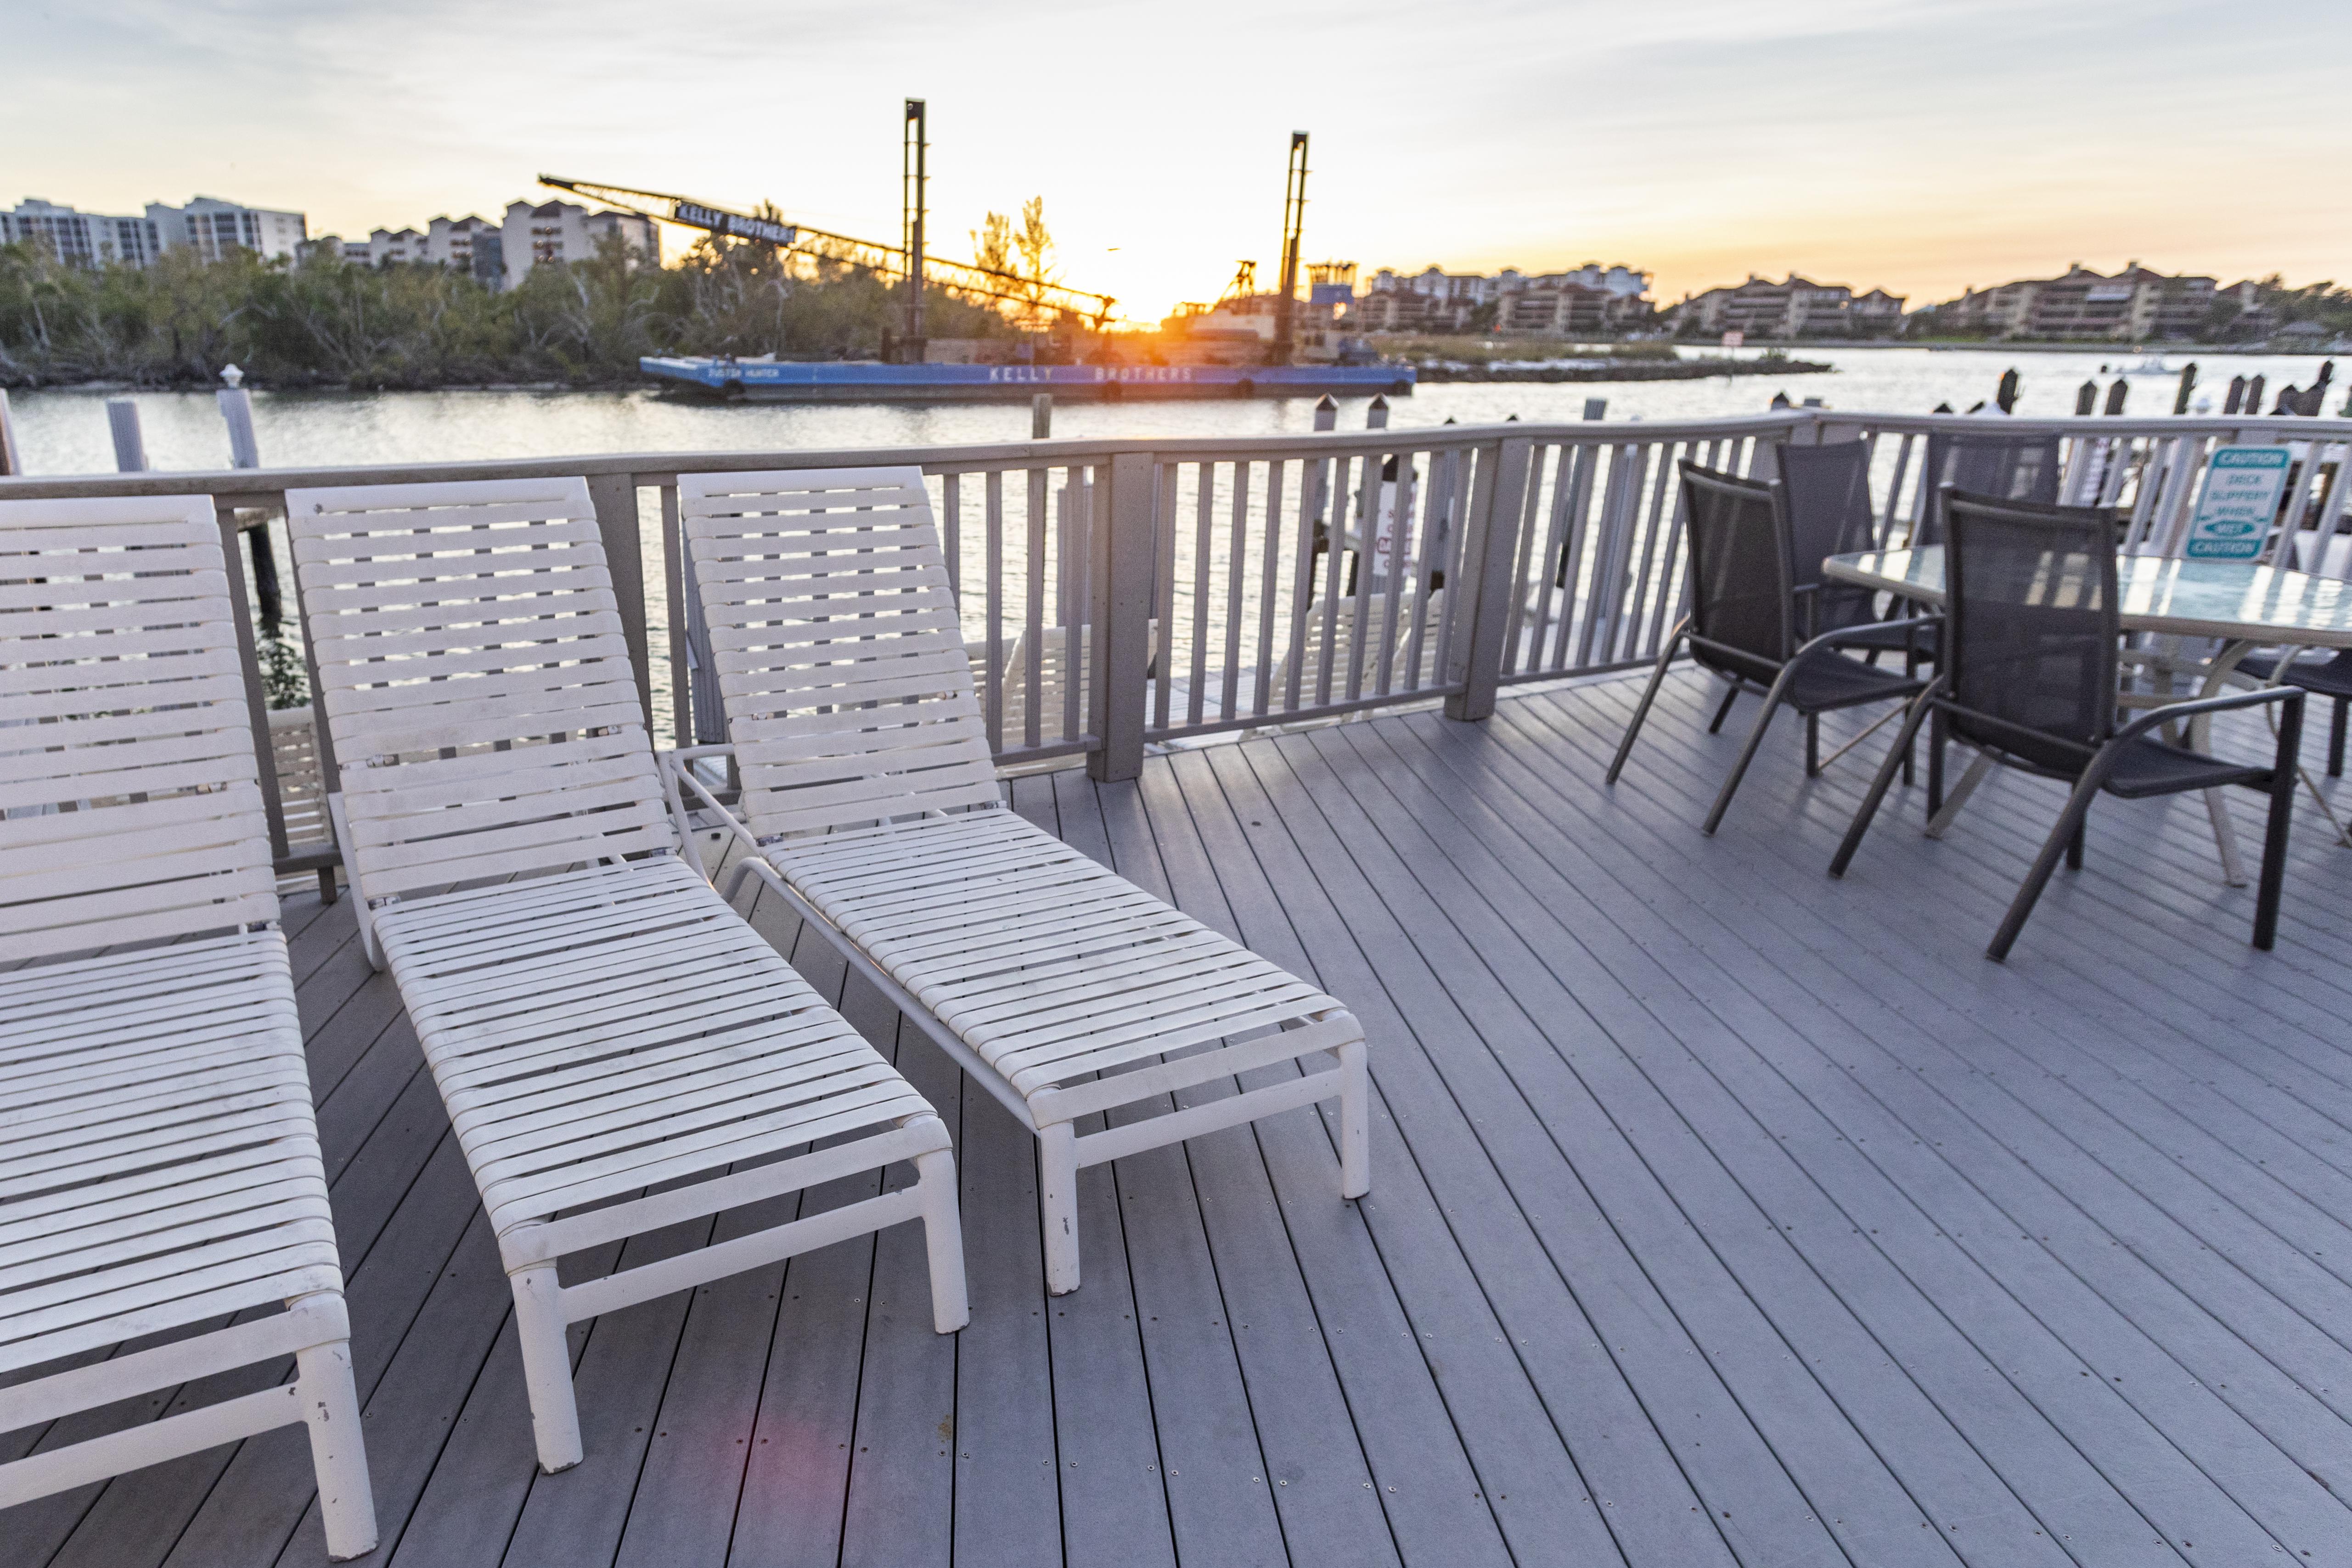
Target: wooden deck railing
1120, 593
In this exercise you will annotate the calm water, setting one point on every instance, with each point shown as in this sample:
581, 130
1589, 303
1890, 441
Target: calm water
66, 431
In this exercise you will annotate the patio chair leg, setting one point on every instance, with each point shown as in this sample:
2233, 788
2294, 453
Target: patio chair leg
2074, 847
1747, 753
1715, 726
2282, 813
1355, 1121
331, 1408
1935, 766
326, 884
1941, 822
1899, 752
2070, 822
1642, 709
935, 1179
1057, 1202
547, 1366
2336, 738
1812, 746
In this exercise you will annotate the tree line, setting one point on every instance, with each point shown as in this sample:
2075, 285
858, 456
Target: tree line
325, 321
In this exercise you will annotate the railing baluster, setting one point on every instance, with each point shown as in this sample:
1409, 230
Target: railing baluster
1369, 486
1314, 485
1032, 613
992, 698
952, 535
681, 663
1335, 541
1268, 582
1163, 659
1236, 556
1400, 523
1205, 498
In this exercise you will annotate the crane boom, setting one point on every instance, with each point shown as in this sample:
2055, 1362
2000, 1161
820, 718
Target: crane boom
888, 262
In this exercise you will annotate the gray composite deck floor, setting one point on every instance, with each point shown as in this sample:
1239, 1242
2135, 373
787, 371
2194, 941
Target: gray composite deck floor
1722, 1215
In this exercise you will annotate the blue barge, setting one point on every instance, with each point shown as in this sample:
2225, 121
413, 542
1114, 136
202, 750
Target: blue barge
864, 381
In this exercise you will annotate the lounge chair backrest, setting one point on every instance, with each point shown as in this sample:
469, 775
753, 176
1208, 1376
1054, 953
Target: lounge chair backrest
130, 792
476, 686
848, 691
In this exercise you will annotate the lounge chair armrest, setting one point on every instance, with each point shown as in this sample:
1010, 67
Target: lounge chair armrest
678, 780
2173, 712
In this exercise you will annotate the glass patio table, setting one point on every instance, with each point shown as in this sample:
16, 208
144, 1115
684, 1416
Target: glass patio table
2246, 605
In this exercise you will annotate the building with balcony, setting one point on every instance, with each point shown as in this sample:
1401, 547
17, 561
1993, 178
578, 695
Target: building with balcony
213, 229
542, 233
1589, 300
79, 238
1794, 308
2135, 305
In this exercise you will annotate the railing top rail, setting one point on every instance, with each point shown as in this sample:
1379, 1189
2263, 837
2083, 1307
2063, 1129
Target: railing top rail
259, 487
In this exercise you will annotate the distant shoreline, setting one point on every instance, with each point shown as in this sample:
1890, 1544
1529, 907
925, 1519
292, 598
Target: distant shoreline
1630, 371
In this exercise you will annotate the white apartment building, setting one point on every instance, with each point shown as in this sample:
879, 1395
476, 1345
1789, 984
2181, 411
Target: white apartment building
1588, 298
79, 238
214, 228
460, 243
539, 233
386, 246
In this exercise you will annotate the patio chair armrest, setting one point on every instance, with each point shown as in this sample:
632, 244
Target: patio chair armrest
2173, 712
1914, 623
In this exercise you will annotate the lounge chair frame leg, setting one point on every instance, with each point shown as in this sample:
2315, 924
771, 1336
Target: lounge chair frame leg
1058, 1204
1812, 746
547, 1366
1649, 695
1355, 1121
2335, 737
1941, 822
935, 1177
1714, 725
331, 1408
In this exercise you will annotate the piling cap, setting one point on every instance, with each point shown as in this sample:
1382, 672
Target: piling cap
231, 375
1325, 404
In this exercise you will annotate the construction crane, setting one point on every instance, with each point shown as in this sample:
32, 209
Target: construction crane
887, 262
1294, 224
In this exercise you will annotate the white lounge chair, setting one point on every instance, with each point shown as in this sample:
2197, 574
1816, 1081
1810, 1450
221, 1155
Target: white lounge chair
870, 797
159, 1160
600, 1022
1428, 609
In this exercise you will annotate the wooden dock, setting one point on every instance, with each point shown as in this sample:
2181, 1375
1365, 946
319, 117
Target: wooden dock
1722, 1215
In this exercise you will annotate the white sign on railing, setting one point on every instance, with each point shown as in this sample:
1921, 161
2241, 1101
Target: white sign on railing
2241, 496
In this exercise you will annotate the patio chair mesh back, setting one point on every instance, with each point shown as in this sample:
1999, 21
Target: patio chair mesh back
838, 646
1827, 492
2032, 626
1739, 574
485, 718
2002, 467
130, 790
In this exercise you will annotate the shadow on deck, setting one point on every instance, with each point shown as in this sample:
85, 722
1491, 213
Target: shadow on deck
1722, 1214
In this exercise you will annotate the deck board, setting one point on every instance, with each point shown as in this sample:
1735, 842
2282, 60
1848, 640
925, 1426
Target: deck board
1723, 1214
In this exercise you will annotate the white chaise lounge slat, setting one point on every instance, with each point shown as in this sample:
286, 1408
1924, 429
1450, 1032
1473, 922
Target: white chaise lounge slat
159, 1159
870, 794
600, 1022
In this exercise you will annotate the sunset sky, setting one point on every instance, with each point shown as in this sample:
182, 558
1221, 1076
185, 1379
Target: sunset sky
1920, 146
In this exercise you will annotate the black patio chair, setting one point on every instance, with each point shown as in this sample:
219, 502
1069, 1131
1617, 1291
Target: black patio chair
2031, 638
2329, 677
1827, 491
1742, 624
2002, 467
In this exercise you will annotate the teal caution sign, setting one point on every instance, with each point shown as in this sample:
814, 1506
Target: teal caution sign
2240, 498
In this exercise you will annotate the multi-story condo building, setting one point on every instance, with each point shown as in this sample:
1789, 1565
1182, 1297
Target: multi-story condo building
1794, 308
386, 246
1590, 300
2133, 305
214, 228
468, 244
79, 238
211, 228
539, 233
